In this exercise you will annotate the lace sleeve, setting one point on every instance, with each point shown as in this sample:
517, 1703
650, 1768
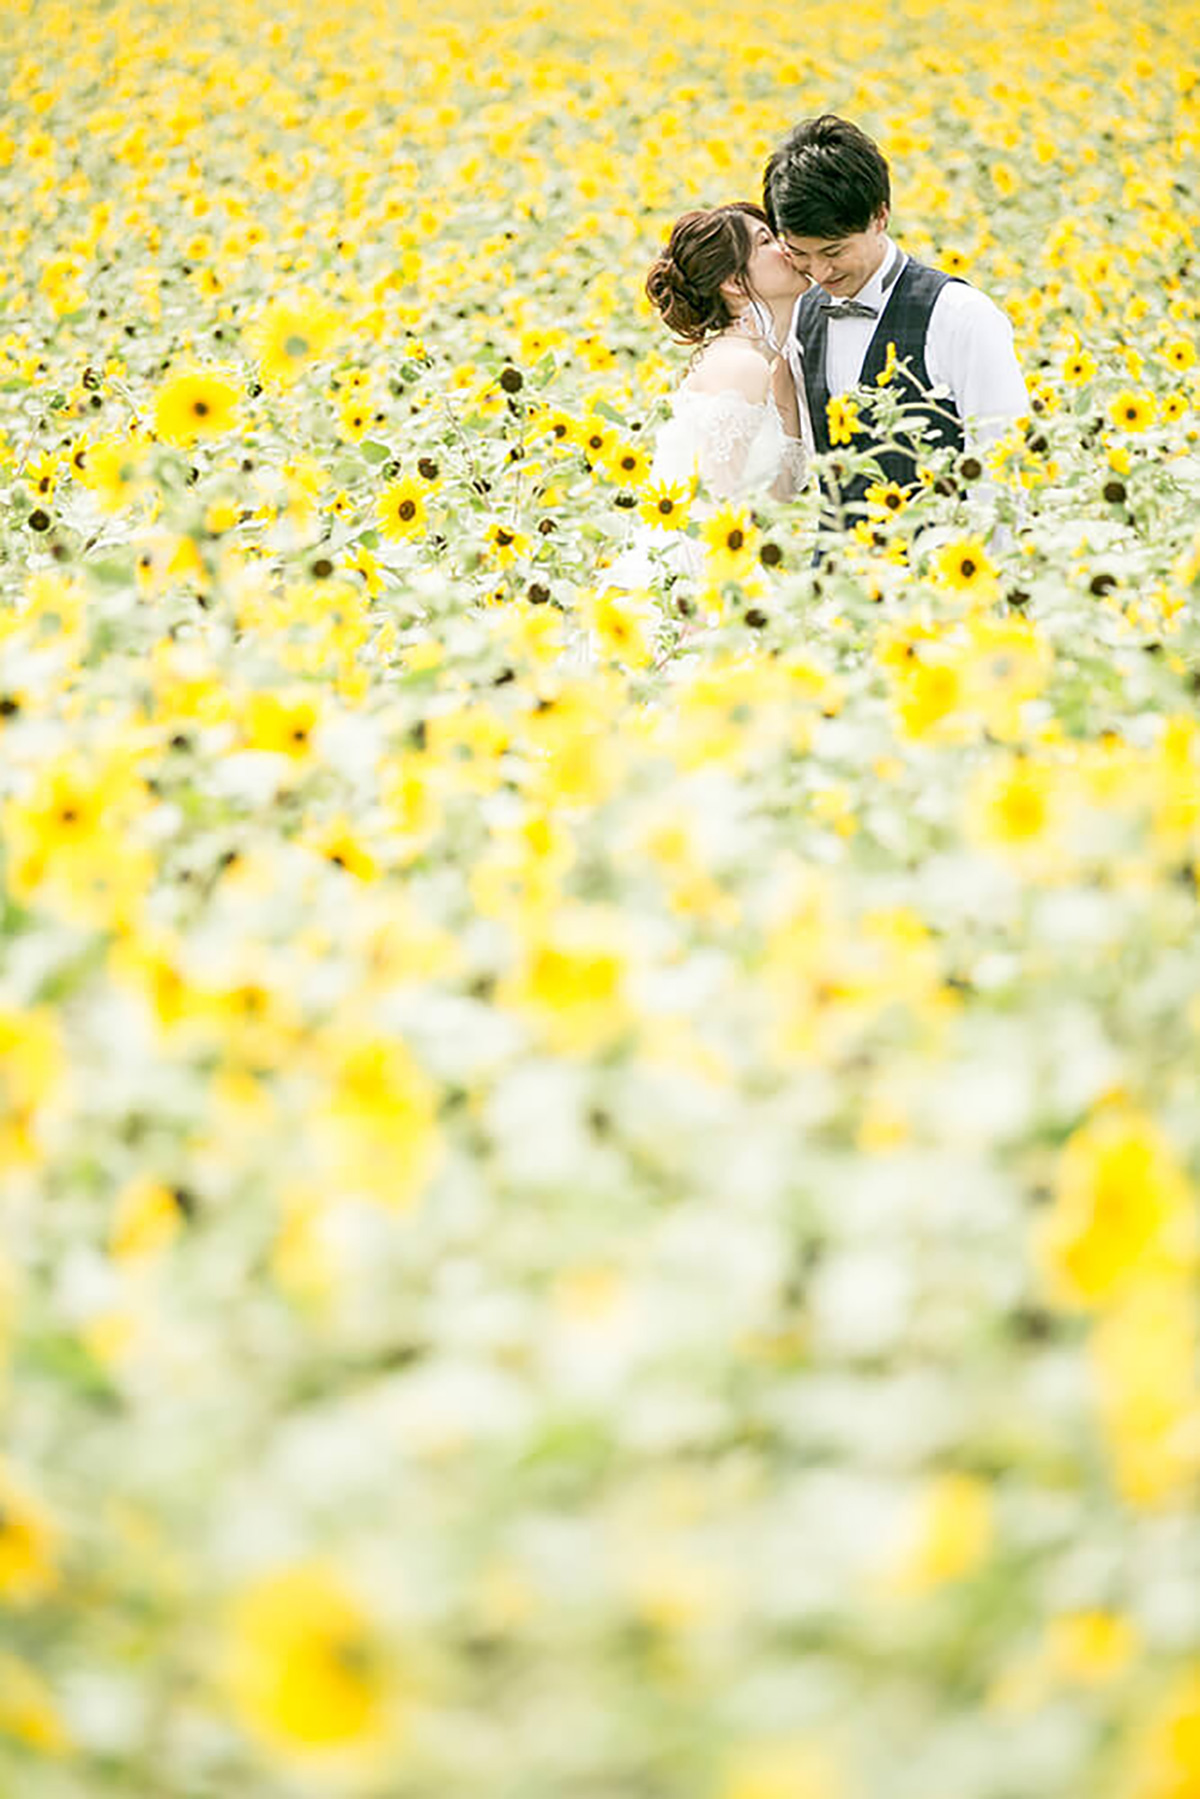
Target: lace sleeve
793, 469
726, 432
723, 438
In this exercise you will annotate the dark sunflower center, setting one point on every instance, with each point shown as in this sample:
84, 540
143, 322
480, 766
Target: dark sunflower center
352, 1656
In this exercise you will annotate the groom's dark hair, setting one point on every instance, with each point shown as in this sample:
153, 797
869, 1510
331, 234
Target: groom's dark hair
827, 179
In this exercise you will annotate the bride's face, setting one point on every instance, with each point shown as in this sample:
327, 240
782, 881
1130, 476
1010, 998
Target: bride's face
770, 273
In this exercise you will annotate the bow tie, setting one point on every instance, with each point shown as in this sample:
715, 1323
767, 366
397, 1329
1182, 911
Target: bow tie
849, 309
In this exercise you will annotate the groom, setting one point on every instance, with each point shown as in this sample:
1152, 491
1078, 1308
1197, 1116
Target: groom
827, 194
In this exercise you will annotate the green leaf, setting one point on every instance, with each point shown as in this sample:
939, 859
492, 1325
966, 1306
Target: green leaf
374, 452
608, 412
63, 1359
112, 571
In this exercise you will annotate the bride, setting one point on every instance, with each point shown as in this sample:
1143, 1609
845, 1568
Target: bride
726, 284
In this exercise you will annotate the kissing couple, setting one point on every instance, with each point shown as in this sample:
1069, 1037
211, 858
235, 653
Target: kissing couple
798, 302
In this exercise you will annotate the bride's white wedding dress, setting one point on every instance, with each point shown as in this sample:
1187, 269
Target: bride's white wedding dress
737, 447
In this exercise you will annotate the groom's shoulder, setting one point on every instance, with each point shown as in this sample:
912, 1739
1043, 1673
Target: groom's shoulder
927, 275
960, 298
953, 294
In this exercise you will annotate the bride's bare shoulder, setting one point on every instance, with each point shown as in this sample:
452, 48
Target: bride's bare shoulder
726, 366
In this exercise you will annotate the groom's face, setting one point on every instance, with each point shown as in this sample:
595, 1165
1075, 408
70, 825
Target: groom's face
841, 265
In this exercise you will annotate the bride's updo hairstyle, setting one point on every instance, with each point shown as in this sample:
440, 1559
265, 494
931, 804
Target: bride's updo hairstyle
703, 250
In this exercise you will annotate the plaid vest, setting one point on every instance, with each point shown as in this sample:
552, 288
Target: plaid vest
904, 322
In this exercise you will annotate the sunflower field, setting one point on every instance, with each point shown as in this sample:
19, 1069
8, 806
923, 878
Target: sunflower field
599, 1190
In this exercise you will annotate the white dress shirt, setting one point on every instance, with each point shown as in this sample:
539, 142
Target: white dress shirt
968, 353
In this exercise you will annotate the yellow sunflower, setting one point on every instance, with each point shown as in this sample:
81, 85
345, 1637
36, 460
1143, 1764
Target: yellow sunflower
884, 498
114, 471
627, 463
293, 332
41, 473
965, 566
665, 504
304, 1671
732, 543
221, 515
1181, 354
843, 419
505, 544
623, 627
195, 404
1132, 411
1079, 367
283, 725
400, 509
595, 437
354, 419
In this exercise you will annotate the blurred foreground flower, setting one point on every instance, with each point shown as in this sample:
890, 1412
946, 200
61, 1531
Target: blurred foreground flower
1122, 1209
305, 1668
28, 1544
950, 1535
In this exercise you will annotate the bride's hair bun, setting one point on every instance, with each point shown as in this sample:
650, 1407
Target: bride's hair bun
685, 309
705, 249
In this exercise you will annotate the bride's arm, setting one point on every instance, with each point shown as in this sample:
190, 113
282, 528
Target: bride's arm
784, 390
793, 470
